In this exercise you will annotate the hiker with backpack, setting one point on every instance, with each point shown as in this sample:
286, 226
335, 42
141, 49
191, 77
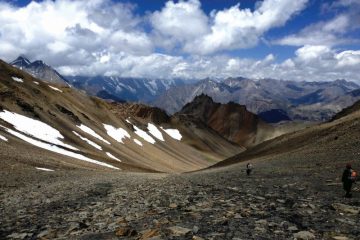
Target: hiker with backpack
249, 168
348, 178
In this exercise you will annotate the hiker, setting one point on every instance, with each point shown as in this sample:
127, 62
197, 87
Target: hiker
348, 178
249, 168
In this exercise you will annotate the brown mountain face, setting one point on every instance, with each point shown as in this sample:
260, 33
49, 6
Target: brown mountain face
140, 138
328, 145
231, 120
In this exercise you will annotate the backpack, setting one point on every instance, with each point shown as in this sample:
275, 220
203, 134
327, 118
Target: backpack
353, 175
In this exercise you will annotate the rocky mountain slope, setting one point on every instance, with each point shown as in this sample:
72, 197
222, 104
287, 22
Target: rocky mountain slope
294, 192
230, 120
56, 127
40, 70
283, 100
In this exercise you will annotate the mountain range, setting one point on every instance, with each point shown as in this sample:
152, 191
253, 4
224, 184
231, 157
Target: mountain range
274, 100
51, 126
127, 89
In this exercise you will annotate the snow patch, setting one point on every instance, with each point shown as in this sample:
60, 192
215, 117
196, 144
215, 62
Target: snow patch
113, 157
116, 133
138, 142
155, 131
3, 138
88, 141
92, 133
144, 135
44, 169
174, 133
37, 83
57, 149
34, 128
56, 89
16, 79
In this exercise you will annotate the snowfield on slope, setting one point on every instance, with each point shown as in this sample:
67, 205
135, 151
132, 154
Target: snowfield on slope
16, 79
34, 128
92, 133
174, 133
57, 149
116, 133
50, 136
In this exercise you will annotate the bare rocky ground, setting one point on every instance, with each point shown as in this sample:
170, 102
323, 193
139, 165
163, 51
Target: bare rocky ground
294, 193
273, 203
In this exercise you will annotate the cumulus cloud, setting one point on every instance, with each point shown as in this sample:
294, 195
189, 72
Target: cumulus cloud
329, 33
66, 31
102, 37
333, 32
310, 63
179, 22
227, 29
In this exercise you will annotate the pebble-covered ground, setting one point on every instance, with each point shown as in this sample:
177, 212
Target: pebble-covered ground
217, 204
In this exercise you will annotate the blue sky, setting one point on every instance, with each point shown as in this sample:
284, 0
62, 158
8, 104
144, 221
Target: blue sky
298, 40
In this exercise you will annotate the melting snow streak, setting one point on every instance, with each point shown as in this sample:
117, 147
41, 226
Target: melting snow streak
88, 141
44, 169
113, 157
144, 135
155, 131
3, 138
138, 142
92, 133
56, 89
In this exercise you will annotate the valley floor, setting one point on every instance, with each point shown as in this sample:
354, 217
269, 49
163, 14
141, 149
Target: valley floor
277, 202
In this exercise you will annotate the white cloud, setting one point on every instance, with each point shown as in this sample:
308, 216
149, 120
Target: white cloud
328, 33
65, 31
335, 31
310, 63
180, 22
186, 24
101, 37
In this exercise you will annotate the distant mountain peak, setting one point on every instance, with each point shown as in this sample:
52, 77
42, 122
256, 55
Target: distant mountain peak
21, 61
39, 69
203, 97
